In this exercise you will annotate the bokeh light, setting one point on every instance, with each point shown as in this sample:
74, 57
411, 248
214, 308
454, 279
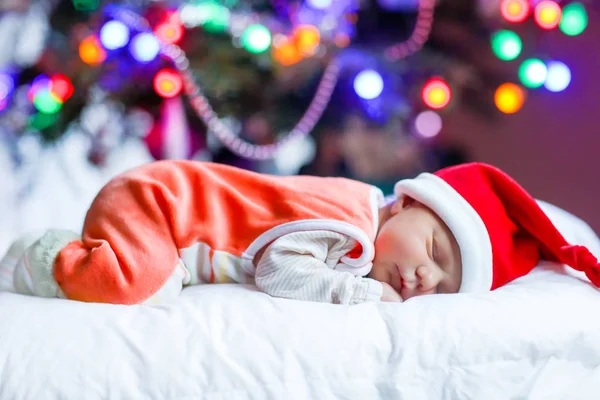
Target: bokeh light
61, 87
7, 85
40, 82
509, 98
368, 84
46, 102
399, 5
428, 124
213, 17
342, 40
574, 19
506, 45
285, 53
144, 47
171, 30
168, 83
307, 39
436, 93
114, 35
547, 14
515, 10
319, 4
90, 51
533, 73
559, 77
256, 38
86, 5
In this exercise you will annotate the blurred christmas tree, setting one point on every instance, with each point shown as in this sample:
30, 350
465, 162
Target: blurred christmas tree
96, 66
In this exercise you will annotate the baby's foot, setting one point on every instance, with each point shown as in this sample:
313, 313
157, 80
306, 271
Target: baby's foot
9, 263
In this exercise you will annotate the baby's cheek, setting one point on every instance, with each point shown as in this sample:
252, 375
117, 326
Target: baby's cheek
385, 246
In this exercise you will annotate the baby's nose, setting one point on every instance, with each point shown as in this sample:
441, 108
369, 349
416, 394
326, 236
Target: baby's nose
427, 277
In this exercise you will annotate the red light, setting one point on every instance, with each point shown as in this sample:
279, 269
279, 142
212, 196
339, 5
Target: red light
169, 32
436, 93
515, 10
548, 14
168, 83
61, 87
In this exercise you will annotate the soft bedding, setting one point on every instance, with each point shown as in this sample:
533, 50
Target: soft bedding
537, 338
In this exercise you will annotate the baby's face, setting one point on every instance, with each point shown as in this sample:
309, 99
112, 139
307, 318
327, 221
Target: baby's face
415, 252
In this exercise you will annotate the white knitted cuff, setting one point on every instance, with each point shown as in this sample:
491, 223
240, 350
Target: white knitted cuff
375, 290
39, 261
367, 290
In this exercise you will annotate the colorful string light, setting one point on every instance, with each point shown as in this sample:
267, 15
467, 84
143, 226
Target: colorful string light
506, 45
509, 98
91, 51
428, 124
206, 113
256, 38
168, 83
114, 35
144, 47
558, 78
515, 10
547, 14
419, 35
436, 93
61, 87
574, 19
7, 85
368, 84
533, 73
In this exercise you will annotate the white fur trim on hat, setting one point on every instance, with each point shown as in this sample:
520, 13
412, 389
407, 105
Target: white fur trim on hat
39, 259
464, 222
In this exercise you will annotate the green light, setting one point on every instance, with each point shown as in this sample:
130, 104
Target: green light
506, 45
46, 103
86, 5
574, 19
256, 38
42, 121
214, 17
533, 73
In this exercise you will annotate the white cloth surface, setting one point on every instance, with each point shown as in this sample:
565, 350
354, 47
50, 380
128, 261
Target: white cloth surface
536, 338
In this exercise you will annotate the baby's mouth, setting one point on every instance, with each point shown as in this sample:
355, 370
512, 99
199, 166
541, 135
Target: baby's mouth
398, 284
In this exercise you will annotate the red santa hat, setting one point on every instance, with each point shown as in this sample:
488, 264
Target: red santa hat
501, 230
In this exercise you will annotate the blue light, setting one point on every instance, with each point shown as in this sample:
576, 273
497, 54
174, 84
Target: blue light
144, 47
368, 84
114, 35
7, 84
319, 4
558, 78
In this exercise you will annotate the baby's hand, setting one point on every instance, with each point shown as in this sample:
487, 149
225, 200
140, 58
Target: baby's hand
389, 294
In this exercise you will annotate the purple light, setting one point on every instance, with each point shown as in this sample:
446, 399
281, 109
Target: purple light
399, 5
7, 85
428, 124
41, 82
319, 4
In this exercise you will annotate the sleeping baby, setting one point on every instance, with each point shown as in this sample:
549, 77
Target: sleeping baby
159, 227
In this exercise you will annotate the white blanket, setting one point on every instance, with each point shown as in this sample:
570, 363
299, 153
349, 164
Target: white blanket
538, 338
